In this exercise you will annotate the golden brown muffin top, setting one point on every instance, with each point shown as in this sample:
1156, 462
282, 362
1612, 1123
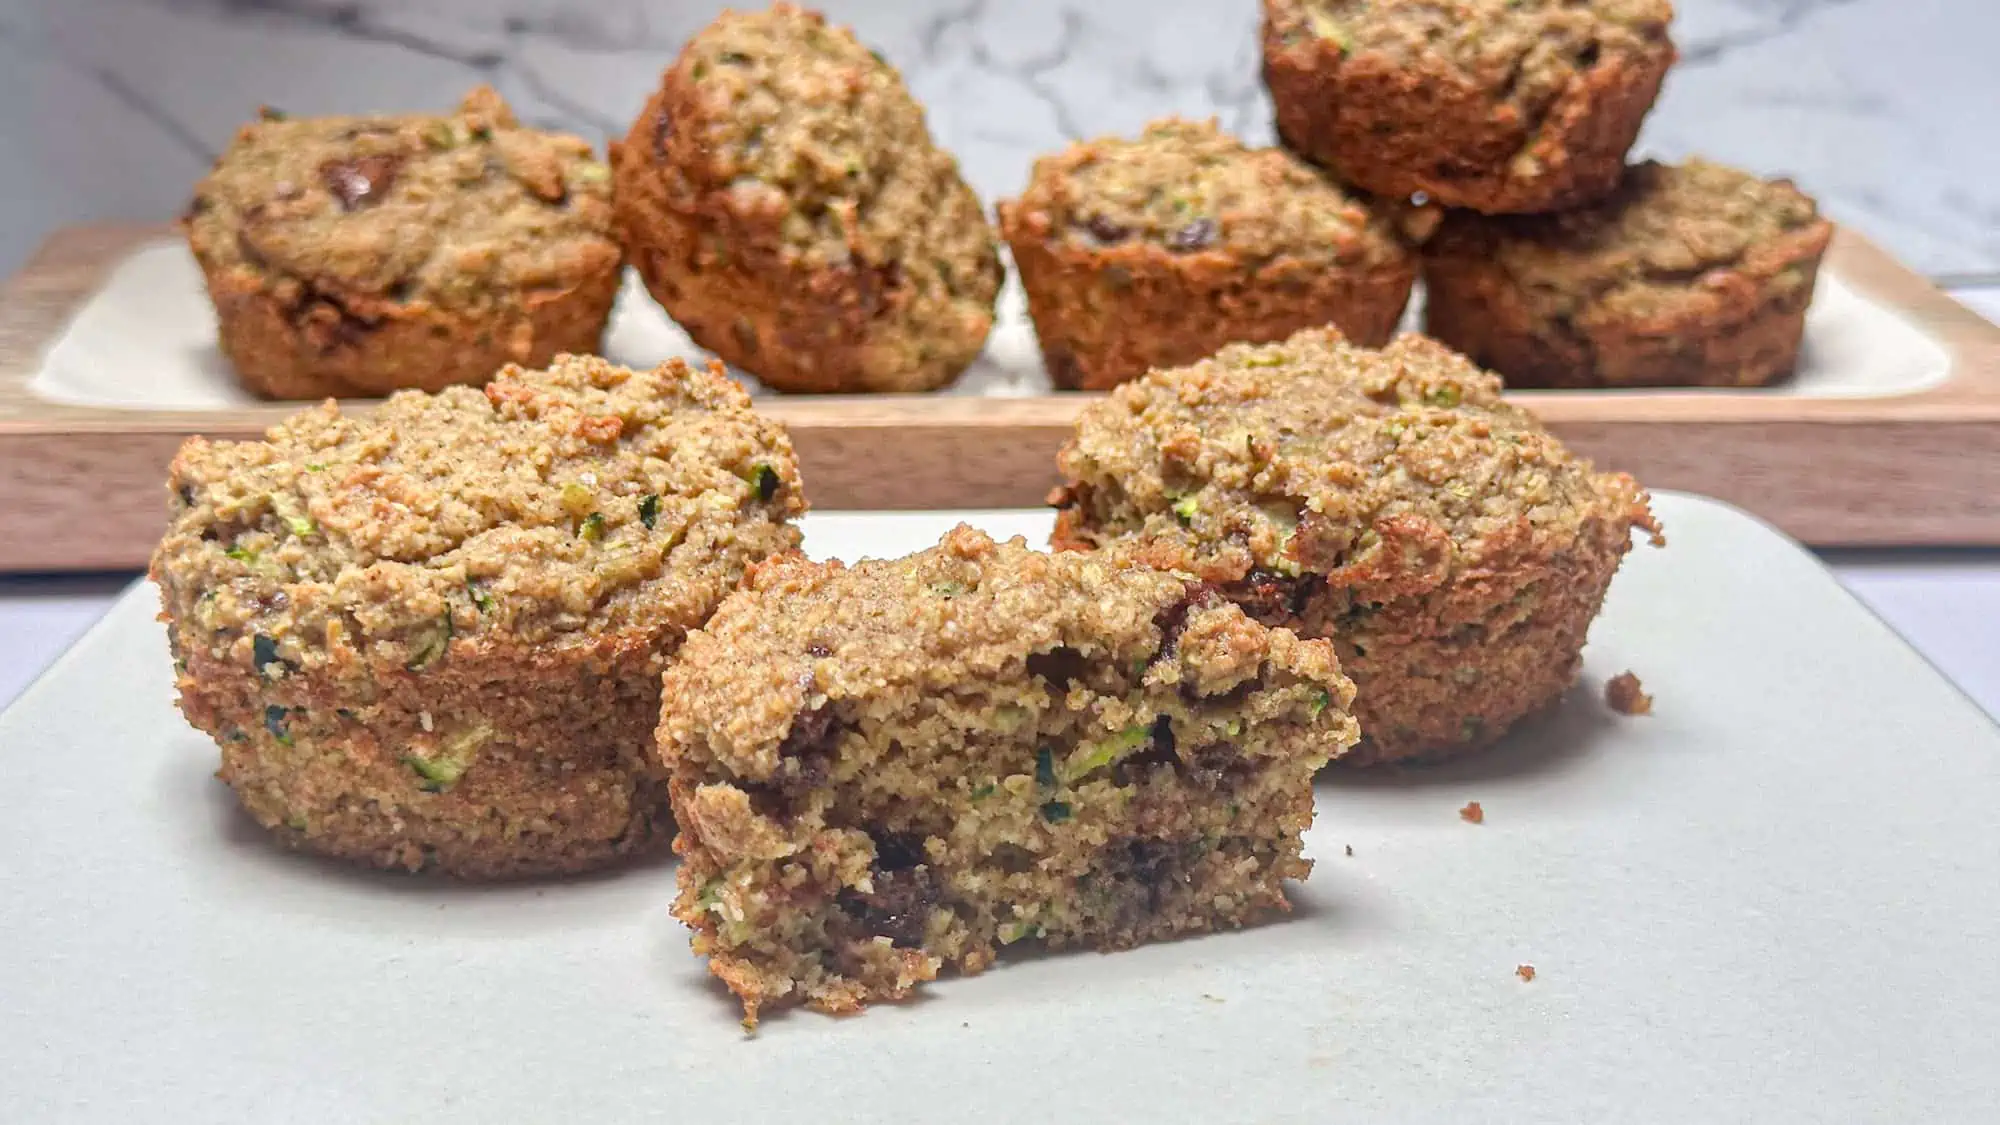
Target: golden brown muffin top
569, 503
465, 210
1526, 51
1188, 187
802, 124
1317, 456
1645, 247
800, 634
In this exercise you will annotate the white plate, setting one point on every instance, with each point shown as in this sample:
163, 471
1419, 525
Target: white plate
1773, 900
146, 341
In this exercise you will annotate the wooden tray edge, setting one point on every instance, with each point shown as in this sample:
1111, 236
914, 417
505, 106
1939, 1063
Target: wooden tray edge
80, 488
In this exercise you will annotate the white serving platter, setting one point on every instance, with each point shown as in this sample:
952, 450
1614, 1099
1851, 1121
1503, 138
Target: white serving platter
1774, 900
146, 340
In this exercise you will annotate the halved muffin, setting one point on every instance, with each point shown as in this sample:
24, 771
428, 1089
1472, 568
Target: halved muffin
890, 769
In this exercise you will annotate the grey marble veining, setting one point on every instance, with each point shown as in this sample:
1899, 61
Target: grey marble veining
112, 108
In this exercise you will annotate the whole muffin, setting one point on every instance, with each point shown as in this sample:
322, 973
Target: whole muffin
432, 635
1689, 275
783, 200
1499, 106
1453, 551
362, 255
1155, 252
891, 769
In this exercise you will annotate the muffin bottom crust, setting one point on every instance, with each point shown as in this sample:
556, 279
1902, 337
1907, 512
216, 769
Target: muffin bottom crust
1107, 317
289, 343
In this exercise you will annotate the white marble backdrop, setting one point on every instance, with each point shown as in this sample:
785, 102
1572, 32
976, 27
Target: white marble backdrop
111, 108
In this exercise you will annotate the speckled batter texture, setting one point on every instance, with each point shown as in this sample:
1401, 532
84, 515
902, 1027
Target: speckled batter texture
1689, 275
884, 771
1453, 551
432, 635
783, 199
1157, 251
1500, 106
361, 255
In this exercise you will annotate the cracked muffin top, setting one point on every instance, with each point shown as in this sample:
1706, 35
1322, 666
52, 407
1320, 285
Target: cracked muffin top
1186, 186
1318, 456
462, 211
799, 122
1659, 233
966, 611
569, 503
1526, 51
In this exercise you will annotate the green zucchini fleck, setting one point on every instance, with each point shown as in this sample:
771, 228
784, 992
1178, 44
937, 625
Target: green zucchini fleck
436, 772
274, 722
432, 645
241, 554
592, 529
649, 510
1045, 768
450, 763
981, 792
1011, 932
1442, 396
1322, 699
264, 653
1186, 507
480, 597
764, 479
1055, 812
1092, 756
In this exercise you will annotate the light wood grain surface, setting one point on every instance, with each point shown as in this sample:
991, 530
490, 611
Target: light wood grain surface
81, 487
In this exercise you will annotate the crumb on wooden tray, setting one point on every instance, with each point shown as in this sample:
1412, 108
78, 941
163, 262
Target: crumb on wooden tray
1625, 695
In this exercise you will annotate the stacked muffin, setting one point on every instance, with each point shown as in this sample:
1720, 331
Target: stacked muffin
1558, 264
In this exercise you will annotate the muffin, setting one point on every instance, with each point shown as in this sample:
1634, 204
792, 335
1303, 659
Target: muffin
1453, 551
1689, 275
1155, 252
885, 770
362, 255
432, 635
784, 201
1501, 106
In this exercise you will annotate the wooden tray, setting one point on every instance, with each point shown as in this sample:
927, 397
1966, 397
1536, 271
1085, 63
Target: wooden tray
80, 487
